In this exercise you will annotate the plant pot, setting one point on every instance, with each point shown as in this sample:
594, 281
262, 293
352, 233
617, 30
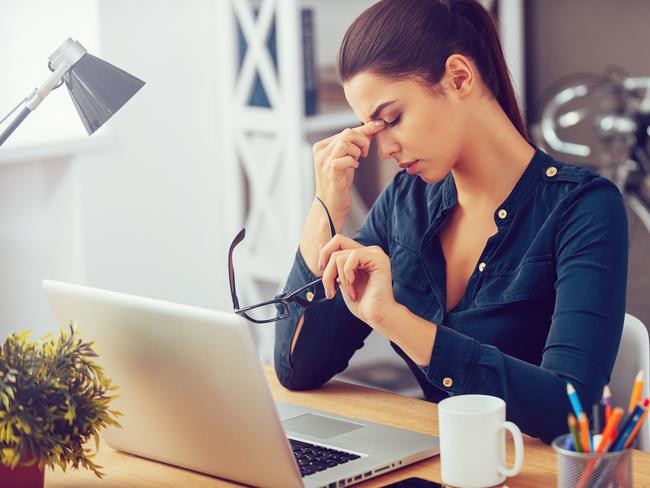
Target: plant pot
31, 477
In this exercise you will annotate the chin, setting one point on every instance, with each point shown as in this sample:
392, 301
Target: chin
430, 176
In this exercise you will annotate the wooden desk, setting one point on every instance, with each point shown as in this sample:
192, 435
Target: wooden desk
126, 471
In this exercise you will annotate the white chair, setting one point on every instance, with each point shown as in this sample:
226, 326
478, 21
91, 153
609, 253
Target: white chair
633, 355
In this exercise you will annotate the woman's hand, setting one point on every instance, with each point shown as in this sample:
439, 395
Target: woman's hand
364, 277
335, 160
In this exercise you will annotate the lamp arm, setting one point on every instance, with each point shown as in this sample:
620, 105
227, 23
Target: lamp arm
14, 124
34, 99
44, 90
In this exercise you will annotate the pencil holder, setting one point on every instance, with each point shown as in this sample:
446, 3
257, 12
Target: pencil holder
592, 470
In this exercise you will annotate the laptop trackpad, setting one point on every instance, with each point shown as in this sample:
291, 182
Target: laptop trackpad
315, 425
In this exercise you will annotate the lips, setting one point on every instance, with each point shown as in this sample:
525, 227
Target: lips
407, 164
411, 167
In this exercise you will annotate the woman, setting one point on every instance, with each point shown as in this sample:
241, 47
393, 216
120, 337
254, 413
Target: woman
491, 267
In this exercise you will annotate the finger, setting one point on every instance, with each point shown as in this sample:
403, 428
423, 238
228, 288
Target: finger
346, 162
345, 148
336, 243
372, 127
350, 266
369, 130
341, 259
358, 260
361, 140
329, 276
322, 144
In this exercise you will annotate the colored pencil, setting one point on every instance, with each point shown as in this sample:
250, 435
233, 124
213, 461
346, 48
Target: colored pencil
573, 398
585, 438
607, 401
636, 391
610, 430
573, 428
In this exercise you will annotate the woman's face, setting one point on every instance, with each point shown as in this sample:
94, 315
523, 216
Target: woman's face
421, 125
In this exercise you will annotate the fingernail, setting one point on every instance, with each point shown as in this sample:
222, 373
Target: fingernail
356, 164
320, 265
379, 123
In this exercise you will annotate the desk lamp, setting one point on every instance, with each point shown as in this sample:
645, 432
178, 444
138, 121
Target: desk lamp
97, 88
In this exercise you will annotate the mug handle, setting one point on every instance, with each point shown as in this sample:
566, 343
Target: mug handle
519, 450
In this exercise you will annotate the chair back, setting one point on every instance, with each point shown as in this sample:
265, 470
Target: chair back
633, 355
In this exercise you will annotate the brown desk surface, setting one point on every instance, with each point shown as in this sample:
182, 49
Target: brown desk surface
126, 471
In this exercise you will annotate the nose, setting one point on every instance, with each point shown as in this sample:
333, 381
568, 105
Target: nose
386, 145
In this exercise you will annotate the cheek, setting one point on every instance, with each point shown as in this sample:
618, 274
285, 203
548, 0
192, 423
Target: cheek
443, 140
440, 143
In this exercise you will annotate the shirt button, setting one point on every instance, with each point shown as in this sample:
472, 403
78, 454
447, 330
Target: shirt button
481, 267
503, 213
310, 296
551, 171
447, 382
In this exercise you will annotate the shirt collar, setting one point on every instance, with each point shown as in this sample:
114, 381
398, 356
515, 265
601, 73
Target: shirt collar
522, 189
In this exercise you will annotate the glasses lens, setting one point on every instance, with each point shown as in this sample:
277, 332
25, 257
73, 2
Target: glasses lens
266, 312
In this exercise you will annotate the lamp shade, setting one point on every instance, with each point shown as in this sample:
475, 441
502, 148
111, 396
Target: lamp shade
98, 89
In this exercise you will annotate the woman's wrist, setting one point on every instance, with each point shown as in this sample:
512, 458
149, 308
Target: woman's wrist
338, 215
413, 334
384, 320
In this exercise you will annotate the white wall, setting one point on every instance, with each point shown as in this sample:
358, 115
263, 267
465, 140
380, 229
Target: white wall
142, 212
152, 207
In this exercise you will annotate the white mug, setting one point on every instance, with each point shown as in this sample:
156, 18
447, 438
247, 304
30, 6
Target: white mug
473, 441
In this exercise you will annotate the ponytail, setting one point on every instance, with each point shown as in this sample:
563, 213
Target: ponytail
492, 64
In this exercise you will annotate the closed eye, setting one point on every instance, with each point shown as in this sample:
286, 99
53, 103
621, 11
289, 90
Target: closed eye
394, 122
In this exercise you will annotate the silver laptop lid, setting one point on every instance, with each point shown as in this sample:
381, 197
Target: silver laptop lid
184, 403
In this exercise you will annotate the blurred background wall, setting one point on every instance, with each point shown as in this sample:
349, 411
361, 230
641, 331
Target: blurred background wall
137, 208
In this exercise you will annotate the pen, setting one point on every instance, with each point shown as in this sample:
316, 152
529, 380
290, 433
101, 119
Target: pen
607, 401
596, 419
636, 391
573, 398
637, 427
629, 425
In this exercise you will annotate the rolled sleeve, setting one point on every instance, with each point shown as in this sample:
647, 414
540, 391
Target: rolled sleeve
330, 333
453, 358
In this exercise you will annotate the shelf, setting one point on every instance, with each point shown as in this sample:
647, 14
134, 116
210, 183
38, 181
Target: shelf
52, 150
334, 118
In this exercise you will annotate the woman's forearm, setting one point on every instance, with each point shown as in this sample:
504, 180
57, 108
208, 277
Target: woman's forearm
316, 233
414, 335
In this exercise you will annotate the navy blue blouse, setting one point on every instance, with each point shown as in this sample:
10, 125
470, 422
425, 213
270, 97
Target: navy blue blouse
544, 305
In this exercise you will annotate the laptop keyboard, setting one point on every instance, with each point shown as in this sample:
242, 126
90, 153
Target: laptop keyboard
312, 458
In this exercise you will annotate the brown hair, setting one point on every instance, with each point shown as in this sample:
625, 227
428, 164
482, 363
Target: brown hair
414, 38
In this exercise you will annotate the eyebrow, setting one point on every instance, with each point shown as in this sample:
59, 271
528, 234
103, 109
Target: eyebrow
378, 110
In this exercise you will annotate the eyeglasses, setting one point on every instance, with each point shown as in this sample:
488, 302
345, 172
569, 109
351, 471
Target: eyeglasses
278, 308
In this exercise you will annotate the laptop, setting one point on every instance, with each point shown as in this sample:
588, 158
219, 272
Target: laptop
194, 395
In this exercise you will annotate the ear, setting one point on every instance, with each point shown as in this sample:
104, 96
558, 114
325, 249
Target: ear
459, 75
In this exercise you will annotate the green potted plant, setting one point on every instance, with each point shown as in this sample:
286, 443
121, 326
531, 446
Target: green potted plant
54, 399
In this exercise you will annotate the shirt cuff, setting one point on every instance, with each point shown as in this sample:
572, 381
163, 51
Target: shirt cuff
453, 358
299, 276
